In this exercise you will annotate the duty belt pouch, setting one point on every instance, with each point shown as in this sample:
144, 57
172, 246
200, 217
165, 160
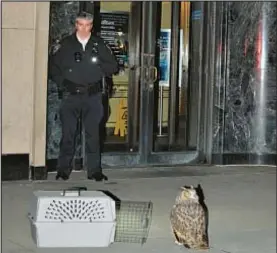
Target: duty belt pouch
93, 89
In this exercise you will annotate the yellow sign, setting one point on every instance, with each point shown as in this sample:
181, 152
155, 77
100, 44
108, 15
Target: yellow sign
121, 118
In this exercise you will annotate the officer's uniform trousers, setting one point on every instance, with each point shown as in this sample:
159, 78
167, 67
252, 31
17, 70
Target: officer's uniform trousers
91, 108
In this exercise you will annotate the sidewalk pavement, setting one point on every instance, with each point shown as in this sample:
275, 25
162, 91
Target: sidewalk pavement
241, 202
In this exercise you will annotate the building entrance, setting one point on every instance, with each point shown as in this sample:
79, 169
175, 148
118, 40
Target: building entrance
147, 109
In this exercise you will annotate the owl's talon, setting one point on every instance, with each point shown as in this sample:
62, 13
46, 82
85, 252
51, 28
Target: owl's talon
178, 243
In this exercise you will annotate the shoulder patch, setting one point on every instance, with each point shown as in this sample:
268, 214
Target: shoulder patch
62, 41
56, 47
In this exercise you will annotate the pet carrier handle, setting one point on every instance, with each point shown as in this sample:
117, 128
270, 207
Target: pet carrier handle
72, 191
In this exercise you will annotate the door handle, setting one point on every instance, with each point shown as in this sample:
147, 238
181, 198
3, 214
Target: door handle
134, 67
150, 73
155, 73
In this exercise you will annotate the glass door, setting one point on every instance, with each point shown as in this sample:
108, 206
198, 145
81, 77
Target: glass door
122, 20
170, 122
120, 27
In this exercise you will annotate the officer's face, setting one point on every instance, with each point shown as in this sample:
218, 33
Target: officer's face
83, 26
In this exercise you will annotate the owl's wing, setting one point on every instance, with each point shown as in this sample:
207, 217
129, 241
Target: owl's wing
177, 217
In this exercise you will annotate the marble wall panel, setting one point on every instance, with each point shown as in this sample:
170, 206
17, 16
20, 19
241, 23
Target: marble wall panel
248, 86
62, 18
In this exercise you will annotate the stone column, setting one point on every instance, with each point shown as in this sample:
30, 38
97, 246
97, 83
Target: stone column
38, 133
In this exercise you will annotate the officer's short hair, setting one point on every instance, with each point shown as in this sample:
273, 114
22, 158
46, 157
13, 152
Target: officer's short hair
84, 15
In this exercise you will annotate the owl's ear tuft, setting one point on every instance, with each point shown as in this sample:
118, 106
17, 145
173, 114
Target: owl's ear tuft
185, 187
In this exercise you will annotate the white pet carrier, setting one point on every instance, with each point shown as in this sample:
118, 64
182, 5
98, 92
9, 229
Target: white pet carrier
72, 218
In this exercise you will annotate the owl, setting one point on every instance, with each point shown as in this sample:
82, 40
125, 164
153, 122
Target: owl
189, 219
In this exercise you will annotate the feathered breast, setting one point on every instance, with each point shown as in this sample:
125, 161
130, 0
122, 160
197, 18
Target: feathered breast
181, 214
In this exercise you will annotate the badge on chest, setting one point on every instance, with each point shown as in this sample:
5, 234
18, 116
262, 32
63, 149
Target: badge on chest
92, 54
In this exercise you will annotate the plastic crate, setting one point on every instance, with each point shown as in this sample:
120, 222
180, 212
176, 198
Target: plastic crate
72, 218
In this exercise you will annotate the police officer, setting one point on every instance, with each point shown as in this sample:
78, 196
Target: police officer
77, 67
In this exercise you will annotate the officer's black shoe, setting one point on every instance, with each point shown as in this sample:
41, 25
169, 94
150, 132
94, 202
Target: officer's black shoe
62, 175
98, 176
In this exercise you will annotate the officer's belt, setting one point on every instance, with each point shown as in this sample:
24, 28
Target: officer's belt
77, 89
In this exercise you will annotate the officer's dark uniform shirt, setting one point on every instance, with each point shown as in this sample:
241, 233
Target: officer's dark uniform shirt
82, 67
